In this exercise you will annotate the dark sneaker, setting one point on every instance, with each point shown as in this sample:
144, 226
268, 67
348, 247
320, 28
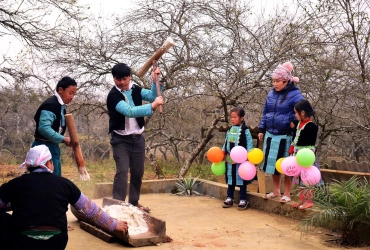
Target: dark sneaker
243, 204
228, 202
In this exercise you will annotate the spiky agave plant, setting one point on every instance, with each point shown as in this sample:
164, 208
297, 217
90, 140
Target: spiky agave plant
187, 186
341, 205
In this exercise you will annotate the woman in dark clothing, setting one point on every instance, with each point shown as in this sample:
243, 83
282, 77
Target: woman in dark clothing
39, 202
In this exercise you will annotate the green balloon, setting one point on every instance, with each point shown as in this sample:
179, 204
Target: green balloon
305, 157
218, 168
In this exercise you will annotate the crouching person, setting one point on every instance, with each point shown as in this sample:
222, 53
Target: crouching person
39, 202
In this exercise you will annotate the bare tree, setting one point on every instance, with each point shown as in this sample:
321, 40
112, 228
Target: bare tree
37, 26
223, 57
339, 67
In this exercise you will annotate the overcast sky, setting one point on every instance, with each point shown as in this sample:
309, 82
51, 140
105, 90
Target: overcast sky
113, 6
11, 46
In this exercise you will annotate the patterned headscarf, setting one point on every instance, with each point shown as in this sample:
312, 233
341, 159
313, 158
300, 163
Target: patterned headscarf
38, 156
284, 72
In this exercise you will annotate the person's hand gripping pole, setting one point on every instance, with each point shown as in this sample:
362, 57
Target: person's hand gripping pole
156, 75
82, 171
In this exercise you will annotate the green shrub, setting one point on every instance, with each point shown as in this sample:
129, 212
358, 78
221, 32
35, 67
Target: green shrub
343, 206
187, 186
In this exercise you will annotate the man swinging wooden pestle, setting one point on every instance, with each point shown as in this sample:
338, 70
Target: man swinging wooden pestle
126, 124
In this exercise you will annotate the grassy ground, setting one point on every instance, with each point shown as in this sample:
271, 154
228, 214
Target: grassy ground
104, 170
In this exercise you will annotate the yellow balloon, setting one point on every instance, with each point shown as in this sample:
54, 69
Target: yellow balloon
255, 156
278, 165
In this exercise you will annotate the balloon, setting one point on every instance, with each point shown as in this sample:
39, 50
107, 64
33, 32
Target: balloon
247, 171
218, 168
310, 175
215, 154
255, 156
305, 157
290, 166
278, 165
238, 154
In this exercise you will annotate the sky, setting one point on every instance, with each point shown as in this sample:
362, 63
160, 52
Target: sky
108, 6
10, 46
112, 6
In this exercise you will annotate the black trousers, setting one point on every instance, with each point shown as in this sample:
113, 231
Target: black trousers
129, 155
11, 240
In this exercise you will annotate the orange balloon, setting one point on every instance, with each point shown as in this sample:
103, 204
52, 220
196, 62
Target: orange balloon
215, 154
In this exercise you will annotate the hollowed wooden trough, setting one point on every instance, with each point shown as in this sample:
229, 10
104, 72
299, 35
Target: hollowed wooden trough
156, 228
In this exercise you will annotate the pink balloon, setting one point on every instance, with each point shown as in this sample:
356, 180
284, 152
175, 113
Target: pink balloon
310, 176
247, 171
290, 166
238, 154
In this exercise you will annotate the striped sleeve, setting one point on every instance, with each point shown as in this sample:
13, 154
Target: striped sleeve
89, 208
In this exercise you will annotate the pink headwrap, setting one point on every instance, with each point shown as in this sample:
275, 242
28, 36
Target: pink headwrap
37, 156
284, 72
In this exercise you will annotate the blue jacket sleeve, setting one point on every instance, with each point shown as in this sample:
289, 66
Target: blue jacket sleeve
262, 125
134, 111
150, 95
46, 121
296, 98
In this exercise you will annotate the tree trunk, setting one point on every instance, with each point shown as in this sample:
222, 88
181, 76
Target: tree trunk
198, 149
156, 168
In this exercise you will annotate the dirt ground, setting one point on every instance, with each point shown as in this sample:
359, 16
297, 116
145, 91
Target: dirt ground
201, 223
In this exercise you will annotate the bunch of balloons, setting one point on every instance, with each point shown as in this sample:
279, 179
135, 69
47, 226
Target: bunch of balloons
238, 154
301, 163
216, 156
